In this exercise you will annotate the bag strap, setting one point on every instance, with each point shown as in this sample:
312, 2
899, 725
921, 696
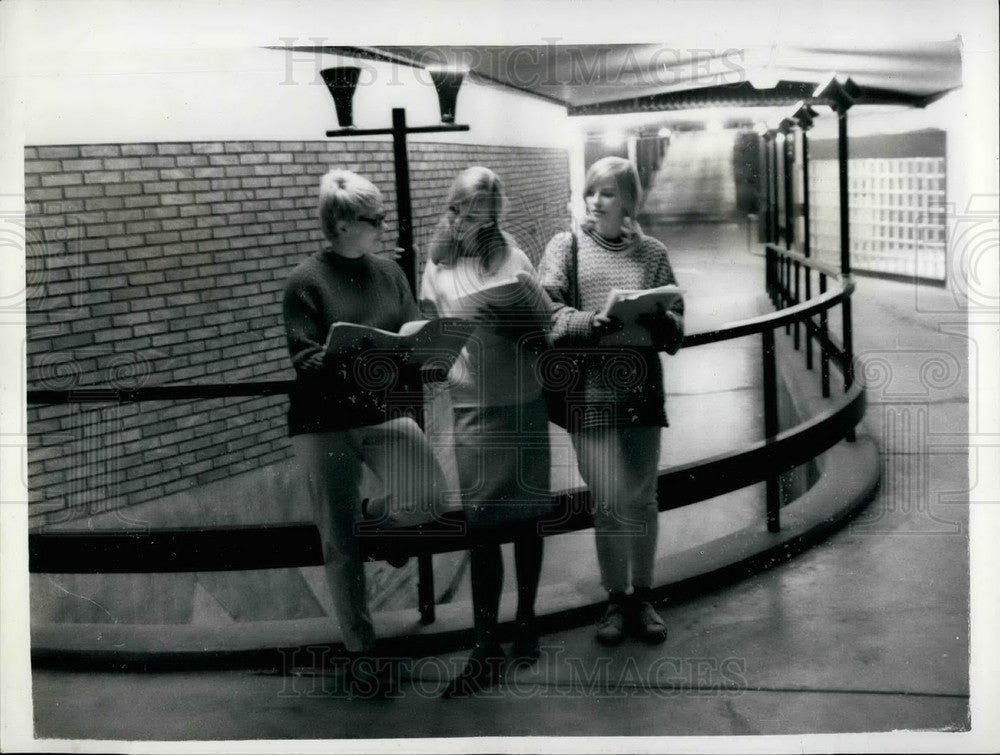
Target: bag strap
574, 282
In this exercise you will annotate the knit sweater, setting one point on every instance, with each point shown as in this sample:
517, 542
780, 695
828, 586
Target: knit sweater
334, 393
620, 386
496, 367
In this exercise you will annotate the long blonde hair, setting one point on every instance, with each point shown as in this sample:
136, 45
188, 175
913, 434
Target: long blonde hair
481, 191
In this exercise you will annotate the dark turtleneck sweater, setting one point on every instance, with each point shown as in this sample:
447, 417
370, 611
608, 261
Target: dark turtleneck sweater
330, 393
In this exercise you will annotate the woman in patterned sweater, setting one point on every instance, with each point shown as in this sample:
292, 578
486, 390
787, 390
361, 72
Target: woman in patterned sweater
616, 430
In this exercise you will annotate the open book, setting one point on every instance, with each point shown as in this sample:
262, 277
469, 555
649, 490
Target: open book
516, 301
510, 294
419, 341
628, 305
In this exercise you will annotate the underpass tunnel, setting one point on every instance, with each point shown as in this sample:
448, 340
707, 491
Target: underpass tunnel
159, 246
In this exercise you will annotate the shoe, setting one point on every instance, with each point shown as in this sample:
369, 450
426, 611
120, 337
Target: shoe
611, 628
483, 670
525, 650
649, 625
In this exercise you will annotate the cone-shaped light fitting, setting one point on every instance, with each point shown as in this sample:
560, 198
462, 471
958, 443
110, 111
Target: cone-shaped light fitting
342, 81
447, 82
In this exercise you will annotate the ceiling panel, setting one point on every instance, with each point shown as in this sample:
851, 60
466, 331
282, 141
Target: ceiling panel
597, 79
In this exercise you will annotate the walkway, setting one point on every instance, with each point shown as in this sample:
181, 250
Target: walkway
695, 183
866, 632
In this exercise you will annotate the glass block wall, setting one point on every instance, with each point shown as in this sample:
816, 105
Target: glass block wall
897, 214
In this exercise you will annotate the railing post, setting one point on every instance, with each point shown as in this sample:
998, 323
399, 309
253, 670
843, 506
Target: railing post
824, 355
782, 276
788, 288
425, 588
790, 300
845, 311
796, 300
776, 275
787, 268
843, 98
771, 426
809, 323
769, 272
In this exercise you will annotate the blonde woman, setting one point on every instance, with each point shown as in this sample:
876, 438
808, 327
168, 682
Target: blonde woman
338, 425
499, 413
616, 434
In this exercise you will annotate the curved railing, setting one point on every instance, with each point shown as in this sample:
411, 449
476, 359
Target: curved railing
789, 283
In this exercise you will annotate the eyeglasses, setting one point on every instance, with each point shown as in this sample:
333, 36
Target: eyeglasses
375, 222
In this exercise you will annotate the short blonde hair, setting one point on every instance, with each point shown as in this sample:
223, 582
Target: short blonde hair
626, 178
344, 195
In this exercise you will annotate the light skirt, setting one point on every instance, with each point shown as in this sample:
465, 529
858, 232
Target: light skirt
503, 459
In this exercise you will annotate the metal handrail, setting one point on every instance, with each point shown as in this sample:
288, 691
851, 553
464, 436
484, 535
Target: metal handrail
297, 544
753, 325
85, 394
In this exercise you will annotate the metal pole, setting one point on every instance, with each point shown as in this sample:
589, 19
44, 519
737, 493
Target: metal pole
404, 209
764, 193
806, 241
845, 253
774, 189
789, 155
845, 217
408, 261
776, 226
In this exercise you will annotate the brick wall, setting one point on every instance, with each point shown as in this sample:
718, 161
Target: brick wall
164, 263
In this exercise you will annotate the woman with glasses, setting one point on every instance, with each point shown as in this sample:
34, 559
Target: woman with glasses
617, 434
500, 420
338, 423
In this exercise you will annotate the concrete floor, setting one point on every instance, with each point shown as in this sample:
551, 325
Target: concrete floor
868, 631
863, 633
